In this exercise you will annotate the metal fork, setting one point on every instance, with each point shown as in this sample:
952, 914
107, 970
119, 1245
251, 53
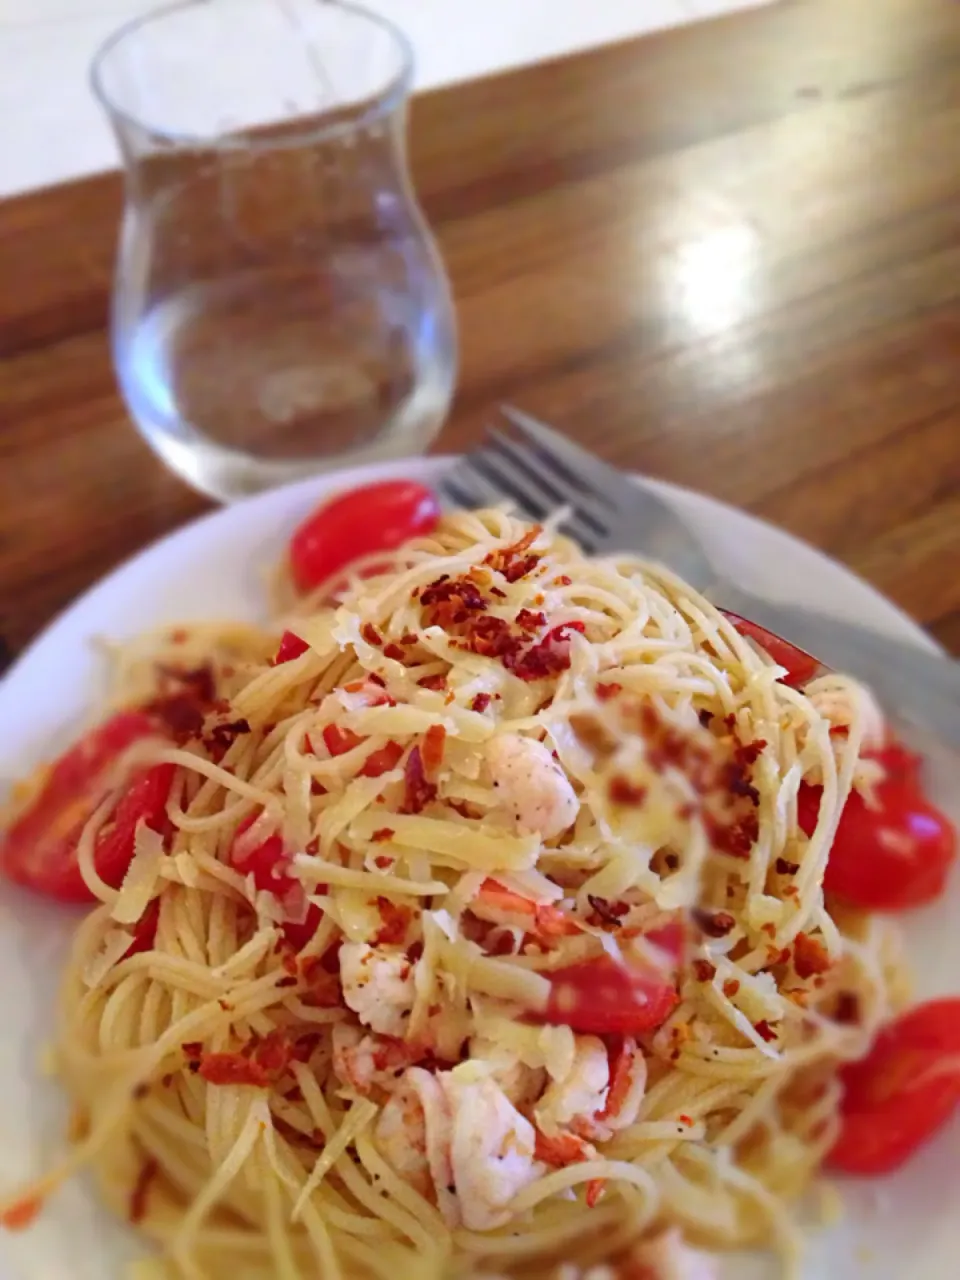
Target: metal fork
539, 471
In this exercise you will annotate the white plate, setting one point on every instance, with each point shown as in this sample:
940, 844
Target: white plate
214, 568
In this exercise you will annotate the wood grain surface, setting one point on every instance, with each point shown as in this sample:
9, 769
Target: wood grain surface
727, 255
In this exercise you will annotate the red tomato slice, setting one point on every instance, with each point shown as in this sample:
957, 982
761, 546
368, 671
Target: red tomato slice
145, 930
39, 849
892, 857
339, 741
382, 760
800, 666
291, 646
903, 1092
602, 997
377, 517
267, 863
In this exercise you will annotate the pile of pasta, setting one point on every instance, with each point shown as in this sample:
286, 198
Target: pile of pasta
387, 863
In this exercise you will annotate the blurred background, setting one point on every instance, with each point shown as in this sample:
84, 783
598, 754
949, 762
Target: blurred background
52, 128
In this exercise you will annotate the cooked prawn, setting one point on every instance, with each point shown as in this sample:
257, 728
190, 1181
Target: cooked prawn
462, 1144
378, 985
491, 1151
363, 1061
499, 905
601, 1093
532, 787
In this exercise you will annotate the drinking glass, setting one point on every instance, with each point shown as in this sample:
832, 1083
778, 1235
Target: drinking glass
279, 305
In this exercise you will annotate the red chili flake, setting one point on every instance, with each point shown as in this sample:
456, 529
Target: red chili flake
704, 971
730, 721
382, 835
451, 601
199, 682
383, 861
274, 1052
548, 658
418, 791
141, 1189
607, 691
433, 743
414, 951
622, 791
495, 591
504, 555
382, 760
394, 651
769, 929
232, 1068
291, 647
19, 1215
192, 1048
715, 924
436, 682
785, 868
480, 702
408, 638
527, 620
810, 956
764, 1030
594, 1189
687, 1120
181, 713
520, 568
730, 988
396, 921
222, 736
607, 912
563, 581
339, 741
370, 633
848, 1008
736, 837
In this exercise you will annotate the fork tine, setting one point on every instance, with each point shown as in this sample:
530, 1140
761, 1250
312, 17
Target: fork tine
574, 466
524, 462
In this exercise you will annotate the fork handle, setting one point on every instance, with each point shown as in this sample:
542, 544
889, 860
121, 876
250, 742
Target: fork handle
921, 685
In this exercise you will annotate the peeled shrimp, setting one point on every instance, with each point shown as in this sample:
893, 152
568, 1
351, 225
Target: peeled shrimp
491, 1152
462, 1144
362, 1061
378, 985
591, 1102
532, 787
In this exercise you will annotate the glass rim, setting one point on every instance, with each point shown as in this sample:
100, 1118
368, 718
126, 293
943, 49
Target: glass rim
376, 107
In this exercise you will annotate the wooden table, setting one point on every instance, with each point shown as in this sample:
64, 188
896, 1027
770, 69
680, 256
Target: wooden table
727, 255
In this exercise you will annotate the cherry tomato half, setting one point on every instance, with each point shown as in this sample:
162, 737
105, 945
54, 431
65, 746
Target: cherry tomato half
39, 849
891, 857
267, 862
291, 646
903, 1092
602, 997
377, 517
800, 666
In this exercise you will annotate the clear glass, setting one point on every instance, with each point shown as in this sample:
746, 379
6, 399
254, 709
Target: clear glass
280, 307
